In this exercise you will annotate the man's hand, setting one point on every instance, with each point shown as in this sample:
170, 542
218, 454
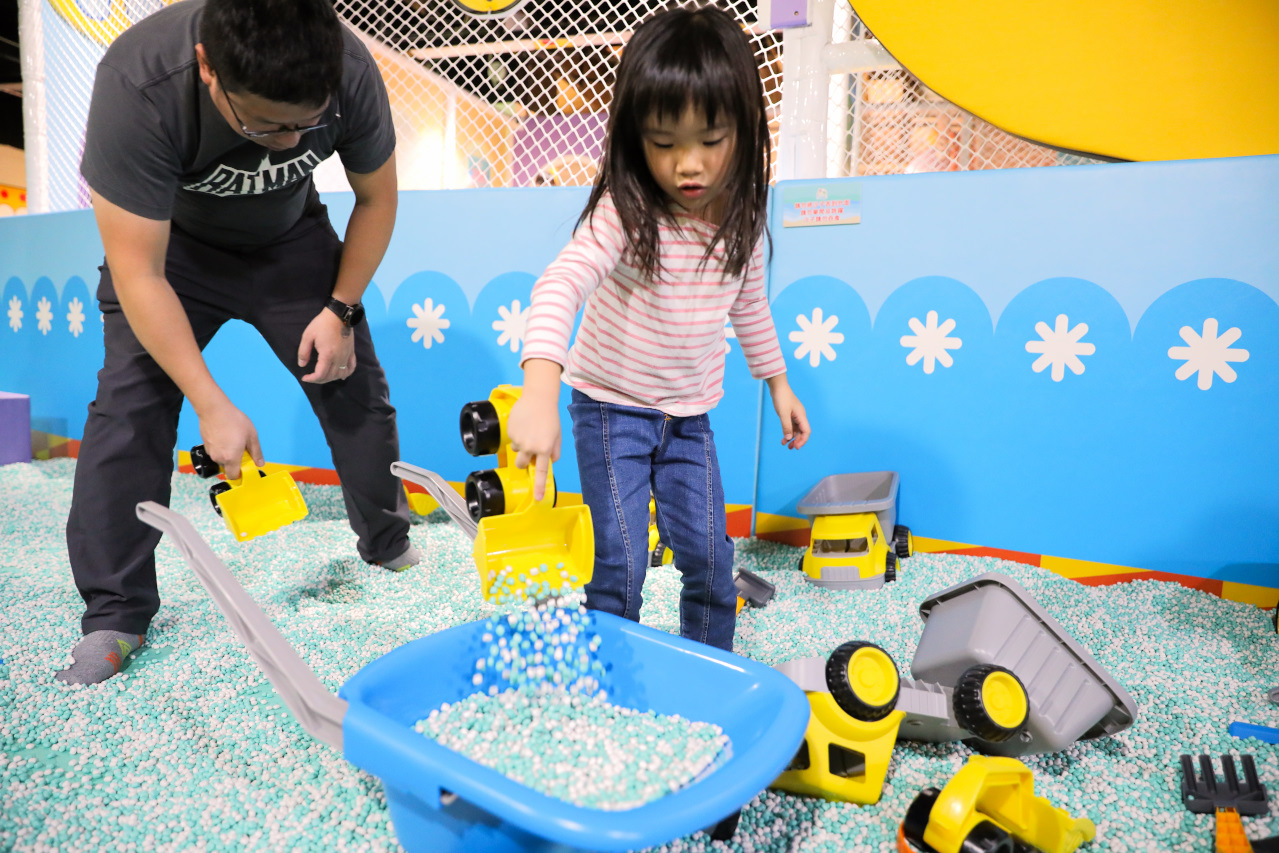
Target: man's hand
533, 426
790, 411
228, 433
334, 346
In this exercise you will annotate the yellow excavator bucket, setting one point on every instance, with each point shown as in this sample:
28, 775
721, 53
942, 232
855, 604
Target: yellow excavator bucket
540, 544
258, 502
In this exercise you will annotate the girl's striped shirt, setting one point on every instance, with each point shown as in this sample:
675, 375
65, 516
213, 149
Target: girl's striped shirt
659, 344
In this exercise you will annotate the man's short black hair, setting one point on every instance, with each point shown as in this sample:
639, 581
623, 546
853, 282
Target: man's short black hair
288, 51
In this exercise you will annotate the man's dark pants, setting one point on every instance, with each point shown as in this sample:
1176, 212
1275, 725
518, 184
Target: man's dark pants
126, 455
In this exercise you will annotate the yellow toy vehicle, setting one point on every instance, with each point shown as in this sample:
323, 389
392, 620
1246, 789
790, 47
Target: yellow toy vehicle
990, 805
257, 502
518, 541
992, 669
852, 727
855, 542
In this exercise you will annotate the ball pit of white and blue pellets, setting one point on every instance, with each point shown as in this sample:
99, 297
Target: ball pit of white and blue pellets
541, 716
189, 748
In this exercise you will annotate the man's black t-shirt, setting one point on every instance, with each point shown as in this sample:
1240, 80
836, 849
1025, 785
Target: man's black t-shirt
158, 147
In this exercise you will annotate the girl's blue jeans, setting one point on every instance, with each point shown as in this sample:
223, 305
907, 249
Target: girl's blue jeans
623, 453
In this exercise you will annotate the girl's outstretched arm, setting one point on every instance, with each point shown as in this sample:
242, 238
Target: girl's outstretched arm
790, 411
534, 423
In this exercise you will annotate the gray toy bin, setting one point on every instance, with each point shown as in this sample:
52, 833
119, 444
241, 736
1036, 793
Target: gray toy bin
846, 494
991, 619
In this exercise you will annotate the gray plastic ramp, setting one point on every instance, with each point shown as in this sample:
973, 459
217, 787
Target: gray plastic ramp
809, 674
439, 488
318, 711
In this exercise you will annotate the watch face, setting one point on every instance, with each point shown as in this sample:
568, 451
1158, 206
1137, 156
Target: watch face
355, 315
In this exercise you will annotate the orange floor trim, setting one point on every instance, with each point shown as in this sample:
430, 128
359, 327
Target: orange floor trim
783, 529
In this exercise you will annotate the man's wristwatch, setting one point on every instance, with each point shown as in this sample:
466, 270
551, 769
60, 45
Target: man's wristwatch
350, 315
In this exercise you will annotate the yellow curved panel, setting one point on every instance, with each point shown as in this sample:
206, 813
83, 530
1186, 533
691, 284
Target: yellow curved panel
104, 29
1123, 79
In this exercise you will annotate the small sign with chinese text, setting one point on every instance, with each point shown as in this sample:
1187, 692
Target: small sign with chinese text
821, 205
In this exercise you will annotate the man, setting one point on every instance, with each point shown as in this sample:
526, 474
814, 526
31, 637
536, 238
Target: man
206, 122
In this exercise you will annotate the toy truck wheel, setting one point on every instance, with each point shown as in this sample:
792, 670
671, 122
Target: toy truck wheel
203, 465
988, 837
916, 821
481, 428
863, 680
484, 495
890, 567
991, 703
903, 542
215, 490
655, 556
800, 564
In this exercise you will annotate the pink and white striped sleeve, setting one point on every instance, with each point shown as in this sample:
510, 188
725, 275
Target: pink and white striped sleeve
560, 293
753, 322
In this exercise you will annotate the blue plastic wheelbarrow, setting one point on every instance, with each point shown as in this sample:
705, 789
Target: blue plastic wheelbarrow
442, 801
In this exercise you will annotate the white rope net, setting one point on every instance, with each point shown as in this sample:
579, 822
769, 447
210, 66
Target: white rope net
520, 100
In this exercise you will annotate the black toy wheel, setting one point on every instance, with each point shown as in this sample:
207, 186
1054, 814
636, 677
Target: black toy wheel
991, 703
724, 830
800, 564
903, 542
655, 556
484, 495
203, 465
916, 820
1275, 620
890, 567
215, 490
863, 680
481, 428
988, 837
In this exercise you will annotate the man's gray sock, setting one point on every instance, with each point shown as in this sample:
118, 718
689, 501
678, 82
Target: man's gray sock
99, 656
411, 557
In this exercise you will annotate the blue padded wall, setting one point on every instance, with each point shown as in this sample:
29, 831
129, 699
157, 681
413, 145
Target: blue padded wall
1122, 463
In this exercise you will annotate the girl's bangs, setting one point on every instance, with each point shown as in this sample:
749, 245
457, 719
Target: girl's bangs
687, 72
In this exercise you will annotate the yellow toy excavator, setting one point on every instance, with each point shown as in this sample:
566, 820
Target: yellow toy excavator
989, 806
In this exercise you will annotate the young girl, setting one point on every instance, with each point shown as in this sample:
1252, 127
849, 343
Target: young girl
670, 244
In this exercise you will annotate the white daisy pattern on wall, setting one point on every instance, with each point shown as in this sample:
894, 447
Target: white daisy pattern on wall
44, 316
428, 323
512, 322
15, 313
931, 342
75, 317
1060, 347
816, 336
1207, 354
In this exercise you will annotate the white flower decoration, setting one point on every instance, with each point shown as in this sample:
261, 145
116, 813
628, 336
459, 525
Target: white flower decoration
930, 342
1207, 354
512, 324
15, 313
428, 323
75, 317
44, 316
815, 337
1060, 348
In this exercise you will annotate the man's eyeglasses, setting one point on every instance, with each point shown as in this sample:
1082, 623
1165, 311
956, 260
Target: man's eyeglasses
267, 134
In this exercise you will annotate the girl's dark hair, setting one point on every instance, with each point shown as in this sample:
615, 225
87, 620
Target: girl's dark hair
696, 57
288, 51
